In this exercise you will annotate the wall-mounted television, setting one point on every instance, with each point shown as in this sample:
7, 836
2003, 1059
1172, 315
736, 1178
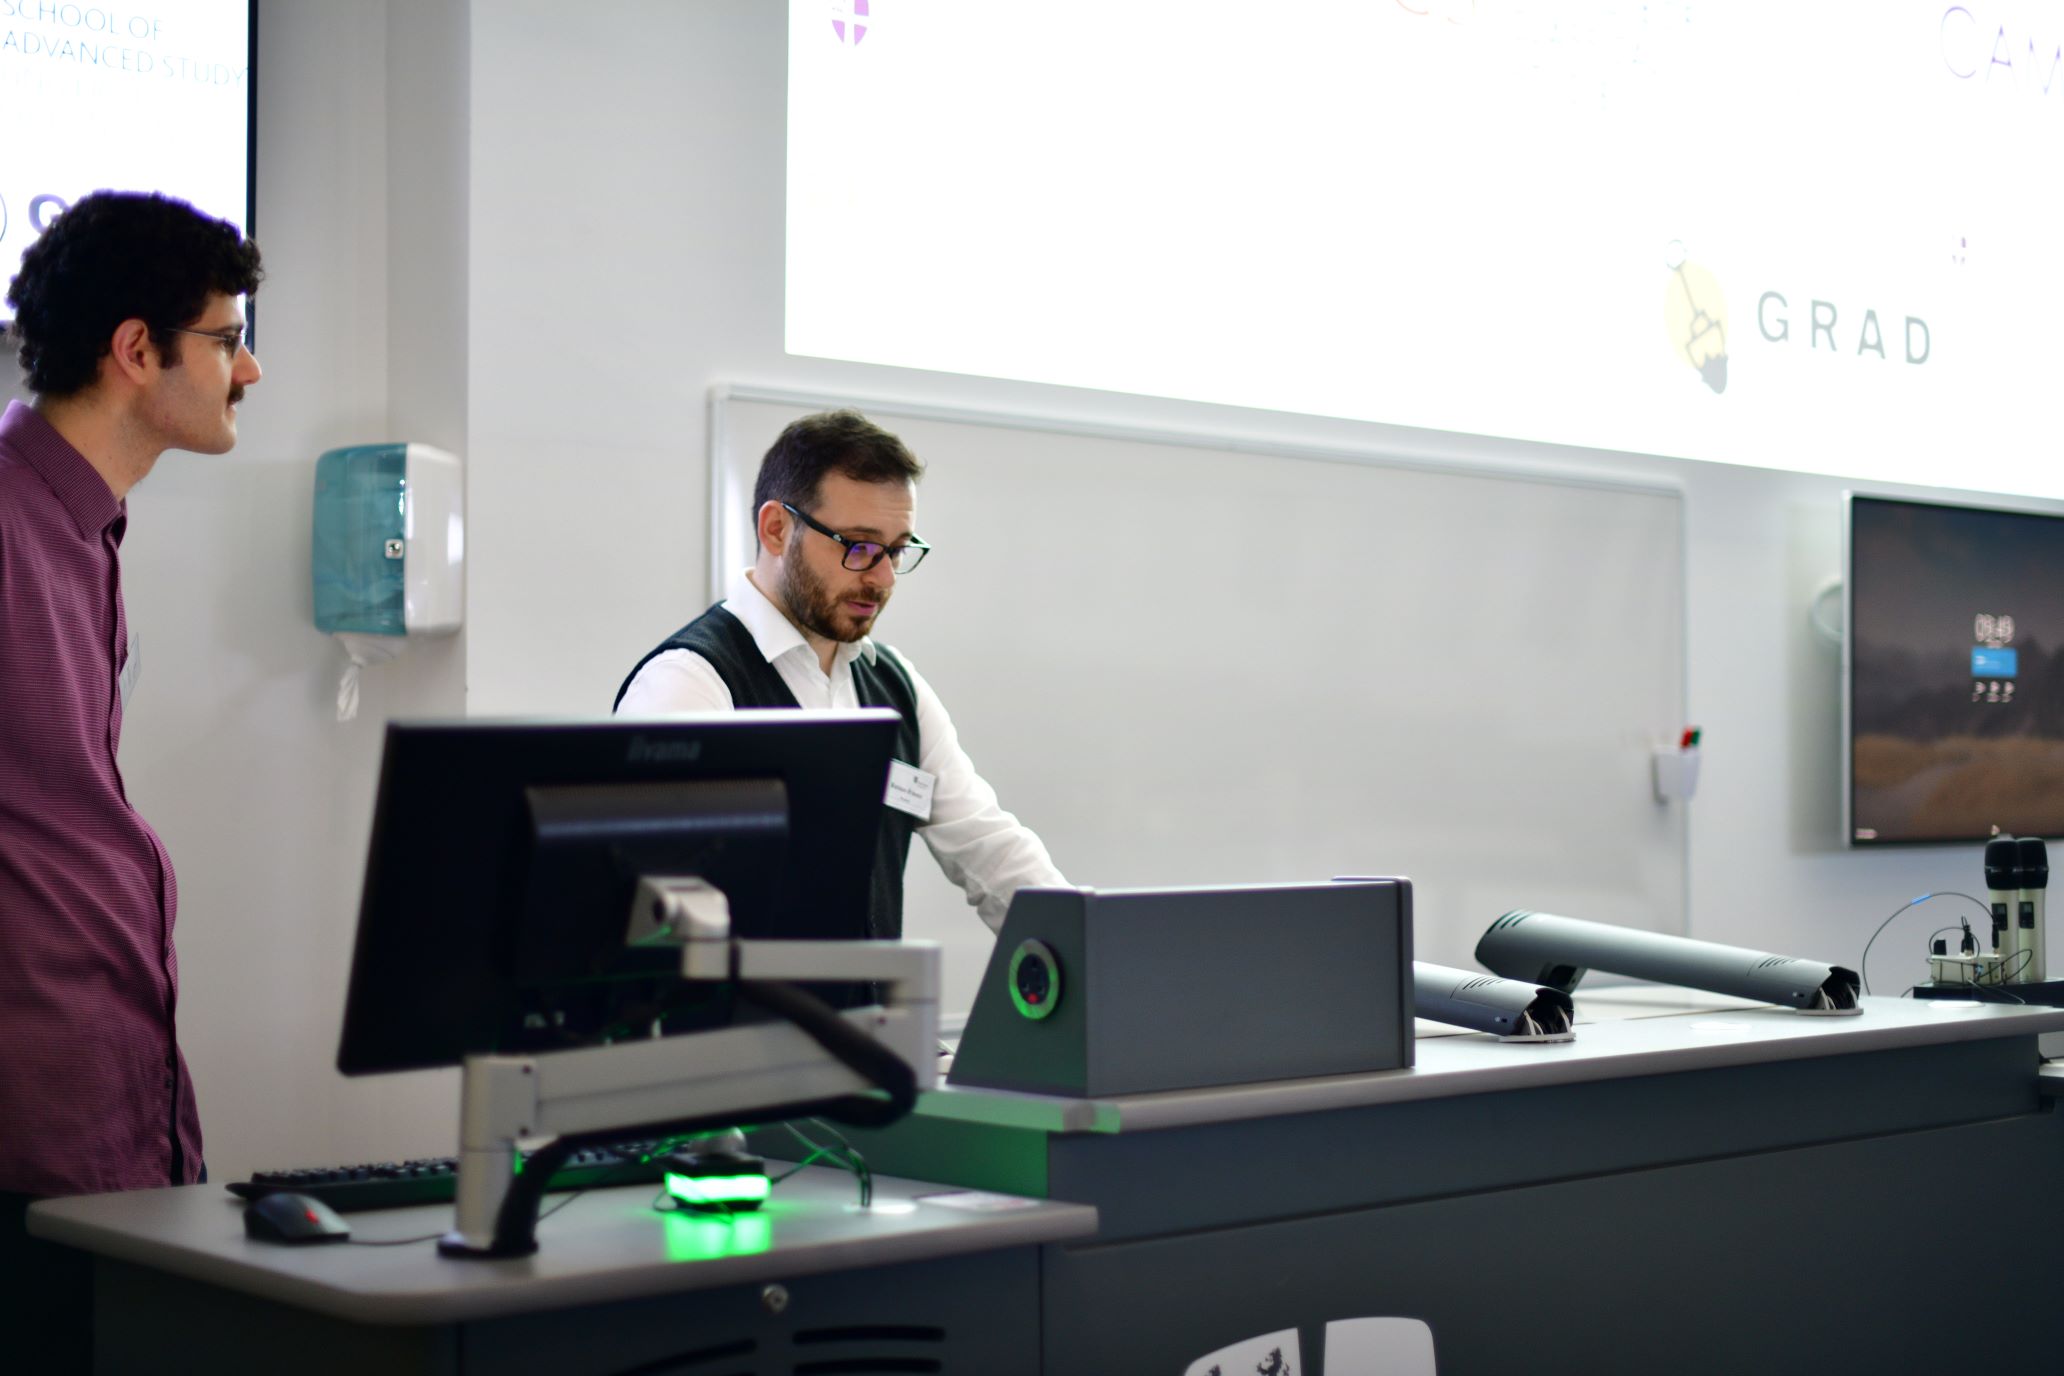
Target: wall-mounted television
1952, 672
97, 97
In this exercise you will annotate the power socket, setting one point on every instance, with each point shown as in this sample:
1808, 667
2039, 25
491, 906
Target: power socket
1983, 969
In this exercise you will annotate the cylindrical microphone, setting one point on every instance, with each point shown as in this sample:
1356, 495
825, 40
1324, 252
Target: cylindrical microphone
2002, 885
1556, 951
2028, 912
1484, 1003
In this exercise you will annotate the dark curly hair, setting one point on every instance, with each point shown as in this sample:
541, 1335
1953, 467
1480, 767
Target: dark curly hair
843, 442
115, 256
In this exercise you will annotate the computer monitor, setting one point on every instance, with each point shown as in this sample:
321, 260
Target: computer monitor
1953, 699
505, 854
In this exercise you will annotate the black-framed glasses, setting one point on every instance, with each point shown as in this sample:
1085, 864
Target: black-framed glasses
232, 341
862, 555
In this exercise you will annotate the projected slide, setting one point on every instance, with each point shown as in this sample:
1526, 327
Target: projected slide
1797, 236
150, 97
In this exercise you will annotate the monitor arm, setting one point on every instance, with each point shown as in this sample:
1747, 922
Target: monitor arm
733, 1074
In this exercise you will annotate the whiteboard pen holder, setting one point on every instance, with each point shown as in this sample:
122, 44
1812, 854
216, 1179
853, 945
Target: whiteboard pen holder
1676, 773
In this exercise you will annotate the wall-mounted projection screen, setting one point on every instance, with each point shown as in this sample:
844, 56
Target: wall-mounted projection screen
1817, 237
156, 97
1183, 664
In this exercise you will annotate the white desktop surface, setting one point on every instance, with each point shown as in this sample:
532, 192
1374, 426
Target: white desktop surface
1621, 1032
606, 1245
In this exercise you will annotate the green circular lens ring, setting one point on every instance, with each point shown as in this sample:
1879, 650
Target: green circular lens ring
1040, 954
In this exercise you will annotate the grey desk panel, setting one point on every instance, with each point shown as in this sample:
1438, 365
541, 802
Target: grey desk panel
1230, 1173
1452, 1066
1826, 1259
976, 1313
608, 1245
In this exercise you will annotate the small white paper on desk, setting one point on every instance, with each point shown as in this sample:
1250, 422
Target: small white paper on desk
978, 1201
1271, 1354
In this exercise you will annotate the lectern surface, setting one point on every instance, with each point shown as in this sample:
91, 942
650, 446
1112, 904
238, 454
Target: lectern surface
1634, 1033
607, 1245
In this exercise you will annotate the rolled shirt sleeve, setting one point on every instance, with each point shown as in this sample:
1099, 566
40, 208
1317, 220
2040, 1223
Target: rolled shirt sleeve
981, 847
985, 850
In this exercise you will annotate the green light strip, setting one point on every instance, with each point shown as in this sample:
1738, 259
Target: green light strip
717, 1189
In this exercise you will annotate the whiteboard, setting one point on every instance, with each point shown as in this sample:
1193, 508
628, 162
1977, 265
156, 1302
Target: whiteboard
1190, 660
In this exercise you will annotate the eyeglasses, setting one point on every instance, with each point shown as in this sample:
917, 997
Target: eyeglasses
232, 341
862, 555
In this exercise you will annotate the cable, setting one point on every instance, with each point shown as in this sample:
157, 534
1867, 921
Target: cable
1863, 966
845, 1155
391, 1241
1969, 945
807, 1161
1982, 993
850, 1047
603, 1183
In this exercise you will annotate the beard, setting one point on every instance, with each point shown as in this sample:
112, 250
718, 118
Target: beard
812, 605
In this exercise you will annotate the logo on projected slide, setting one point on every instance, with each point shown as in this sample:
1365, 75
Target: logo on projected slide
849, 20
1996, 50
3, 217
1695, 317
1774, 323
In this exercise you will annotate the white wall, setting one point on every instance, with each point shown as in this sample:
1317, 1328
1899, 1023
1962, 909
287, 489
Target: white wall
538, 241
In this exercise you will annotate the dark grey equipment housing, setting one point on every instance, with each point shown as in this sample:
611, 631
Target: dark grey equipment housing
1132, 991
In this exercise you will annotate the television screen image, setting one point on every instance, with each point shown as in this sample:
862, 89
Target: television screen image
1955, 681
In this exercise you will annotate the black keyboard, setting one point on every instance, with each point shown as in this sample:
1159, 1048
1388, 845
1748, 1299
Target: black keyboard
399, 1184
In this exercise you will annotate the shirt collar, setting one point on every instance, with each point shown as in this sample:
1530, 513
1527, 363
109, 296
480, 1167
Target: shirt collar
81, 490
774, 633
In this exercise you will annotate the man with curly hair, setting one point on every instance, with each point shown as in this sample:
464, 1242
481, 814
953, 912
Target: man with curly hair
128, 316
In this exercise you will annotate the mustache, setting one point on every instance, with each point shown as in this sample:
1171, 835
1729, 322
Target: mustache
236, 394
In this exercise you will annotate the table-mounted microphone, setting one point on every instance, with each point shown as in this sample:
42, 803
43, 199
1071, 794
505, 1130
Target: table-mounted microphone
1541, 948
2035, 880
2002, 885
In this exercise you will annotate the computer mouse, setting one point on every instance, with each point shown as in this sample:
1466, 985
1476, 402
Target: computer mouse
293, 1218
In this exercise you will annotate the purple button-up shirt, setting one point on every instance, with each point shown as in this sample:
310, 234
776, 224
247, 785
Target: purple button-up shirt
93, 1093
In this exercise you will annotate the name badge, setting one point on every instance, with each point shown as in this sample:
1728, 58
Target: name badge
910, 790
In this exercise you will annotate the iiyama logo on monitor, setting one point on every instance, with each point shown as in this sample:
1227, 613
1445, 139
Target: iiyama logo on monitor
663, 752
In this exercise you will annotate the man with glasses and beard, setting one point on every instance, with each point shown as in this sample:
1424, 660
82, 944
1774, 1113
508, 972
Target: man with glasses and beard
129, 316
834, 509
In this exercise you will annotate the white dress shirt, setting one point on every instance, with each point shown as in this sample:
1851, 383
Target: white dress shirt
982, 848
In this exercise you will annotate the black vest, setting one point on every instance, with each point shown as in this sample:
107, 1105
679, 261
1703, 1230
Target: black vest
723, 640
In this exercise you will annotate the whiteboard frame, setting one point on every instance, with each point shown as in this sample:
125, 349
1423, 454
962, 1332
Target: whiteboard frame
731, 544
728, 553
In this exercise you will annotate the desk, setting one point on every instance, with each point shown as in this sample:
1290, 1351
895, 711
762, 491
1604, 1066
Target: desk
614, 1287
1725, 1188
